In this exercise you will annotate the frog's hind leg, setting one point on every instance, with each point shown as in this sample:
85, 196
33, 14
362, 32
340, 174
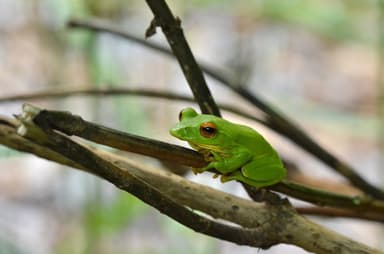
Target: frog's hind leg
238, 176
257, 174
267, 169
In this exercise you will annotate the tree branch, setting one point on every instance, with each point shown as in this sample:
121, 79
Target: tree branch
332, 212
53, 94
74, 125
172, 30
276, 121
265, 225
325, 198
183, 215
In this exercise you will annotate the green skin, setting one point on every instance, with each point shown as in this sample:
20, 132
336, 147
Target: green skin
236, 151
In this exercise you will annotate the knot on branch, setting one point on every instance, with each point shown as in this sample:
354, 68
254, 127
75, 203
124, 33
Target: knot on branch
62, 121
167, 27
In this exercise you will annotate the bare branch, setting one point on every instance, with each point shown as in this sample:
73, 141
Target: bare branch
337, 212
53, 94
265, 225
75, 125
172, 30
275, 120
10, 138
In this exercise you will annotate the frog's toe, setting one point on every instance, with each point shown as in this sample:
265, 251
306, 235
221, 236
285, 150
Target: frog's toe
227, 178
198, 170
195, 171
224, 179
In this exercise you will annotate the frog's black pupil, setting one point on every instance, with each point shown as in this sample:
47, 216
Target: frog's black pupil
209, 129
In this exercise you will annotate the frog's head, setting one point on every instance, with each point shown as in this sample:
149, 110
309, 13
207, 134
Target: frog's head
200, 130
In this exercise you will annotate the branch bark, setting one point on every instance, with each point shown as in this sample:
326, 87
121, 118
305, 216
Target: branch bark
259, 225
149, 93
74, 125
318, 183
172, 30
275, 120
332, 212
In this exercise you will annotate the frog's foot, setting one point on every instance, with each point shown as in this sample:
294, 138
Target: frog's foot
232, 176
198, 170
216, 175
208, 156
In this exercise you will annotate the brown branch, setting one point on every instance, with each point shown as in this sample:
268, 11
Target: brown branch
144, 184
75, 125
332, 212
325, 183
294, 174
52, 94
172, 30
276, 121
10, 138
265, 225
325, 198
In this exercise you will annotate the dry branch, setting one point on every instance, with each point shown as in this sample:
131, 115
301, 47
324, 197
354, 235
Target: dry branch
275, 120
262, 225
172, 30
74, 125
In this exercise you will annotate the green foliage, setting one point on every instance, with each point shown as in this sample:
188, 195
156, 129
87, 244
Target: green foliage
186, 239
336, 20
130, 116
113, 217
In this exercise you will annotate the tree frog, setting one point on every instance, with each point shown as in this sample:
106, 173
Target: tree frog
236, 151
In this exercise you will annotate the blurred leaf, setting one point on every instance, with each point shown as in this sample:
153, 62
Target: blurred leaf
111, 218
332, 20
187, 239
131, 116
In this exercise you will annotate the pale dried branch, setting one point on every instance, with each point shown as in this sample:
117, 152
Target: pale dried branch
265, 225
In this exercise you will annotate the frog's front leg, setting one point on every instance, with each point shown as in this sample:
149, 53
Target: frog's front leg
210, 156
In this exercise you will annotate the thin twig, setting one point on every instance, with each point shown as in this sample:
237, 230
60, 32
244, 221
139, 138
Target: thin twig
277, 121
332, 212
172, 30
325, 198
53, 94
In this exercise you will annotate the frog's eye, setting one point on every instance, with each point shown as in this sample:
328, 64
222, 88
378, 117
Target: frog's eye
187, 113
208, 130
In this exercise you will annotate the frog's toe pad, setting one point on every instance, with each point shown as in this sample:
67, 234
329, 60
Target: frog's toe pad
226, 178
197, 170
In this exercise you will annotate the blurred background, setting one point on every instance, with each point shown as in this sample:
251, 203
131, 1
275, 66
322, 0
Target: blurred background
320, 62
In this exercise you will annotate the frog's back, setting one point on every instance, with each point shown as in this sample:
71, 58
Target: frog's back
253, 140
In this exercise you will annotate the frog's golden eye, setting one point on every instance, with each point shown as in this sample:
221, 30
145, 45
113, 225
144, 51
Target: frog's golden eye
208, 130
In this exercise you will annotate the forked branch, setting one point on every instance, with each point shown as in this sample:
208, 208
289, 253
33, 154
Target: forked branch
259, 225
